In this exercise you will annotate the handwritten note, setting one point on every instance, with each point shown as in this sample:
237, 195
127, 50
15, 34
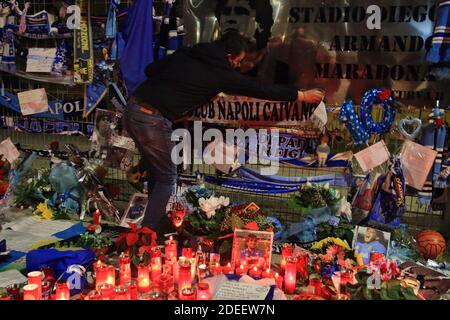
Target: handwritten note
33, 101
417, 161
40, 59
9, 151
234, 290
373, 156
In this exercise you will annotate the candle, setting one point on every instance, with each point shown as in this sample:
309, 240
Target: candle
216, 269
187, 294
111, 275
187, 252
194, 264
94, 295
124, 268
121, 293
315, 286
156, 263
31, 292
101, 274
228, 269
165, 283
268, 273
255, 272
143, 278
171, 249
287, 250
97, 217
279, 281
241, 270
35, 277
107, 291
214, 258
62, 291
184, 276
203, 292
132, 289
290, 275
201, 272
97, 264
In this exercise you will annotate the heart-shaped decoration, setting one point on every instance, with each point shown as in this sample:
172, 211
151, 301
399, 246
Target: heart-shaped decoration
415, 122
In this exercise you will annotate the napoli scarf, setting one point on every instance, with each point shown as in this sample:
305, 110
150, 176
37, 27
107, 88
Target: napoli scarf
440, 50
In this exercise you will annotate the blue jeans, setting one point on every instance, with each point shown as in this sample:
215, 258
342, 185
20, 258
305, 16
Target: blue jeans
151, 134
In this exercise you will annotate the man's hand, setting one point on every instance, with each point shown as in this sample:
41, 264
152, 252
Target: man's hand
311, 96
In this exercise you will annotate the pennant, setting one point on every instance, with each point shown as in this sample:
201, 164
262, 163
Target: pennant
93, 95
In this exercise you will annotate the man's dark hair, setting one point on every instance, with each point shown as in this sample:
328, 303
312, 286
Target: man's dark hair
235, 43
264, 17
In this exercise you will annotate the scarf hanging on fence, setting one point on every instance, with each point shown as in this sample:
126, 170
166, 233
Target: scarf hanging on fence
433, 137
439, 52
7, 52
111, 21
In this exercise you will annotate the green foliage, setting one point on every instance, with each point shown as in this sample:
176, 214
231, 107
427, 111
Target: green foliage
313, 196
94, 240
34, 189
343, 231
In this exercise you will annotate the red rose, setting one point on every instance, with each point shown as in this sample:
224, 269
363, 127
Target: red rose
385, 94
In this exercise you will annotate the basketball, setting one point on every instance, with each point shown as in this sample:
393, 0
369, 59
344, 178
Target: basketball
430, 243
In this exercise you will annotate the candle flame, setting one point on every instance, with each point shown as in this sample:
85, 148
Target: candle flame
241, 266
170, 238
229, 264
268, 270
277, 275
217, 264
291, 278
255, 268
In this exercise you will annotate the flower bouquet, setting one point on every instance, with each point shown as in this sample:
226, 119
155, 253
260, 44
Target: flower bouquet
138, 243
315, 198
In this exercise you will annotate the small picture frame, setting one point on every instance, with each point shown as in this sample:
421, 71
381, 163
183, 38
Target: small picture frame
252, 248
136, 210
367, 241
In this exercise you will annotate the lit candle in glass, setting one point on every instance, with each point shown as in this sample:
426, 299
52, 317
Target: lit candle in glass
107, 291
143, 278
255, 272
101, 274
155, 263
287, 250
228, 269
62, 291
315, 286
121, 293
193, 263
187, 294
278, 281
201, 272
268, 274
94, 295
111, 275
124, 268
184, 276
97, 264
132, 289
241, 269
31, 292
35, 277
97, 219
170, 249
216, 269
203, 292
290, 275
165, 283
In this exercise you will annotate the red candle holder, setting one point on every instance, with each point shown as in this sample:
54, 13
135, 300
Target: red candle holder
35, 277
228, 269
165, 283
315, 286
241, 270
170, 249
290, 275
107, 291
255, 272
155, 263
121, 293
62, 291
132, 289
201, 272
184, 276
216, 269
279, 281
143, 278
101, 274
111, 275
287, 250
97, 264
187, 294
203, 291
31, 292
93, 295
268, 274
124, 268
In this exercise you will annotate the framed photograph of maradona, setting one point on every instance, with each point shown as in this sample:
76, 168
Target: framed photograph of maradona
367, 241
135, 210
252, 248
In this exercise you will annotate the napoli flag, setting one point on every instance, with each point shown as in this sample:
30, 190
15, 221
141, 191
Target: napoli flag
137, 34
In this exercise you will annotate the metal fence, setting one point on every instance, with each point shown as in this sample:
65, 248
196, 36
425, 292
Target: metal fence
275, 205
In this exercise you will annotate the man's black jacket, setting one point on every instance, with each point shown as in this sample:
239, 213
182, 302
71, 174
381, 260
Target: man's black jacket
192, 76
